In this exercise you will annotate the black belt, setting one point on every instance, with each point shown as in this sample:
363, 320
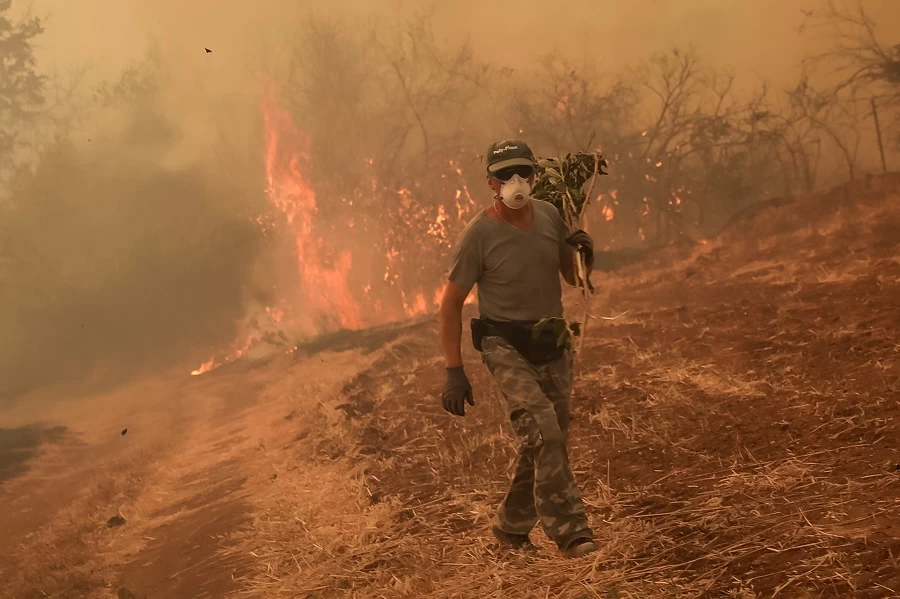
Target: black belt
502, 328
519, 334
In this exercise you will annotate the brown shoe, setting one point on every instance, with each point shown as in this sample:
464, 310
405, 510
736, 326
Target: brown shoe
580, 548
511, 540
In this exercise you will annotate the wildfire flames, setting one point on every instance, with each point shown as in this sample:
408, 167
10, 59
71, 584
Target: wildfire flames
324, 290
235, 352
321, 299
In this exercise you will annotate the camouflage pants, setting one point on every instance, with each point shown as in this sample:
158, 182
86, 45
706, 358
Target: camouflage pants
543, 487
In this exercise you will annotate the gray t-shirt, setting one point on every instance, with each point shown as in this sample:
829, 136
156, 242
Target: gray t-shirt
517, 271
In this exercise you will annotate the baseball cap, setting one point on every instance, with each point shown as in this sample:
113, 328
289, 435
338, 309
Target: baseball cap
508, 152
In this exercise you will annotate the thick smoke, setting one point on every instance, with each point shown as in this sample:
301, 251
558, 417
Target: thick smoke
130, 234
130, 243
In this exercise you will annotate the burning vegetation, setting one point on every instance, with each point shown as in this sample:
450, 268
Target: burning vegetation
350, 170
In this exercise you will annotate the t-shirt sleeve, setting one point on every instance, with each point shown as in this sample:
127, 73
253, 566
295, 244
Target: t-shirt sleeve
467, 264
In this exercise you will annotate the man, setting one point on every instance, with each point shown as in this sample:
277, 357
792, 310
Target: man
515, 250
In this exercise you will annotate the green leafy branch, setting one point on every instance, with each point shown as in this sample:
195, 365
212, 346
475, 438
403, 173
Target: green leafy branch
561, 182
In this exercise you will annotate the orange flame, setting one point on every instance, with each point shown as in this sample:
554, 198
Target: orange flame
323, 299
236, 350
205, 367
324, 290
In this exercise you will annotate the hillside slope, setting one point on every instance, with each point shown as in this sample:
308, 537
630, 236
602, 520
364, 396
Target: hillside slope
735, 433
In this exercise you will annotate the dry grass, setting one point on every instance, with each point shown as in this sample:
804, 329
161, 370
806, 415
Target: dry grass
331, 530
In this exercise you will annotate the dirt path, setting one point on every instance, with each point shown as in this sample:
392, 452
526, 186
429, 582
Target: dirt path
180, 476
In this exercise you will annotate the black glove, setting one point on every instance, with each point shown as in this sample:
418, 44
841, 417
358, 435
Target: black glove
457, 392
582, 242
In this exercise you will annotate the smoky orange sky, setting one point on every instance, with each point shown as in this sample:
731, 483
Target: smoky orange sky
752, 36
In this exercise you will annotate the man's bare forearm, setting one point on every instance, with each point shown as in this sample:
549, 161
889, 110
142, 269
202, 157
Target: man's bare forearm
451, 334
451, 323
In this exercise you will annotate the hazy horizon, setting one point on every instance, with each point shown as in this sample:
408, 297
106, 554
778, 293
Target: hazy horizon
761, 38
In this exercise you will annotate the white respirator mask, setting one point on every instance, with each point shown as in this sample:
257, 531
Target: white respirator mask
516, 192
